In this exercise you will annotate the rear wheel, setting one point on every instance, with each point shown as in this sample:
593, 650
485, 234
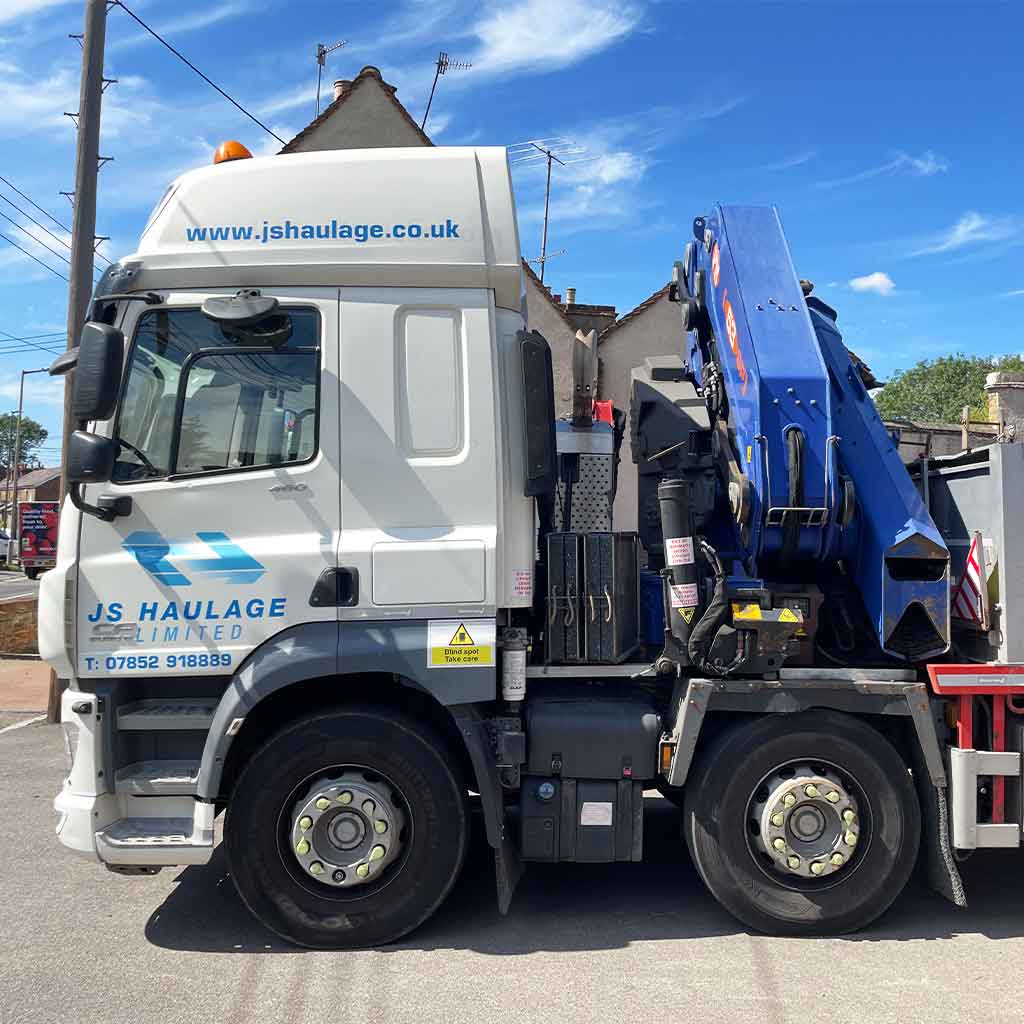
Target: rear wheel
803, 824
31, 572
347, 829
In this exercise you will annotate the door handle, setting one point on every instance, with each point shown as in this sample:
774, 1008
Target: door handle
336, 588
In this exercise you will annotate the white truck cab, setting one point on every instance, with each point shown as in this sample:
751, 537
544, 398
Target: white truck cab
336, 482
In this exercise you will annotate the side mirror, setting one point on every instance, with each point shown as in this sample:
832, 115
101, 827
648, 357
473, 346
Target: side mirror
91, 458
98, 373
541, 469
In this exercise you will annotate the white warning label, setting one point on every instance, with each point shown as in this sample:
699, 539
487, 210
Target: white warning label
522, 583
679, 551
459, 643
596, 812
684, 595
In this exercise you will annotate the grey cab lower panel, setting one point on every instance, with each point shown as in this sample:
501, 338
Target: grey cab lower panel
320, 649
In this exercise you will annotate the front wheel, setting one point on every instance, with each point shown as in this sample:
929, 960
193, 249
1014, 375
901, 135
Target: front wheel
31, 572
347, 829
803, 824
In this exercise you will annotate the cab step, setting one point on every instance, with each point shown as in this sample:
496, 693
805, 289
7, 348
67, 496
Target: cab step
168, 713
158, 778
158, 842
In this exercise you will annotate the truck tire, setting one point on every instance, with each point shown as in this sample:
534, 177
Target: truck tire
838, 798
347, 829
32, 572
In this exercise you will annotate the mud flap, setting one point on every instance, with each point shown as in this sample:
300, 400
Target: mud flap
508, 869
936, 849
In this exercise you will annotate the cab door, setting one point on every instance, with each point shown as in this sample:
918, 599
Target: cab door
229, 454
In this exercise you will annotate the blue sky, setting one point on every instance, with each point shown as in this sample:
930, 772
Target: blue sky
889, 135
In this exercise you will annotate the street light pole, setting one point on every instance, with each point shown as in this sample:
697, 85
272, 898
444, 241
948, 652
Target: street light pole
17, 459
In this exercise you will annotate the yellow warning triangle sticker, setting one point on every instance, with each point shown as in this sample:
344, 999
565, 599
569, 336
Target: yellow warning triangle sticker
787, 615
461, 637
687, 614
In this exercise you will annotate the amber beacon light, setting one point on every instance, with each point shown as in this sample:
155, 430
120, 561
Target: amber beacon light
231, 150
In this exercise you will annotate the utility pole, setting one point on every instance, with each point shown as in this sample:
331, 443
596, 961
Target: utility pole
83, 226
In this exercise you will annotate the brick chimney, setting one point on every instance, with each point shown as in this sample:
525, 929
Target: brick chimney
585, 317
1006, 400
341, 86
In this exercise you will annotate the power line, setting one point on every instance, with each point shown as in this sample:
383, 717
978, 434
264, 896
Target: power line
185, 60
41, 227
35, 205
31, 257
26, 232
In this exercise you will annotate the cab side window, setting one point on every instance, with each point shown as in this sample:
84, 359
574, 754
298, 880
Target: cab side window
198, 400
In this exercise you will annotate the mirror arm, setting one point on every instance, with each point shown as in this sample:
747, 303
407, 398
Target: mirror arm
107, 510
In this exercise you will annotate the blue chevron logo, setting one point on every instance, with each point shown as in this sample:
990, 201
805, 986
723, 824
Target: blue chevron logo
168, 561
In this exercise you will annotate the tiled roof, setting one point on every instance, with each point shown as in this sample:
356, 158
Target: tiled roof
633, 313
36, 477
367, 73
556, 306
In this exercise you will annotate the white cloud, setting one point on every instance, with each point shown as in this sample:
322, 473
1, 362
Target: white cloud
182, 26
1013, 294
540, 36
880, 283
926, 165
789, 163
49, 391
10, 10
971, 229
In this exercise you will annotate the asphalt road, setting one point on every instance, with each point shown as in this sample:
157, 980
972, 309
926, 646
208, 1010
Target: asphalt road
16, 584
582, 944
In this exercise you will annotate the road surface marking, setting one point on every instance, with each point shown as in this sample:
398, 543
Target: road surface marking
21, 725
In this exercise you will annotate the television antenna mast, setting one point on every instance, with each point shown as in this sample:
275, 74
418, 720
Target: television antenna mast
322, 52
443, 65
558, 150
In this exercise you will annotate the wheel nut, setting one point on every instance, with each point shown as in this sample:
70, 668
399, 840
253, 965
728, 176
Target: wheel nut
850, 838
316, 868
812, 790
380, 827
832, 797
778, 820
345, 798
849, 816
306, 823
363, 870
323, 803
369, 806
838, 859
779, 844
376, 853
817, 867
302, 847
794, 862
789, 800
338, 876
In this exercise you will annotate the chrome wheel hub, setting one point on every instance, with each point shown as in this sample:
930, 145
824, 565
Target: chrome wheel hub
808, 824
348, 829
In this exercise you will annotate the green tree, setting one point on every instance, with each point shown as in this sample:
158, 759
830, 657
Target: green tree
936, 390
33, 435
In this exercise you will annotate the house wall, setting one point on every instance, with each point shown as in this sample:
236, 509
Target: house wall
654, 332
541, 316
366, 120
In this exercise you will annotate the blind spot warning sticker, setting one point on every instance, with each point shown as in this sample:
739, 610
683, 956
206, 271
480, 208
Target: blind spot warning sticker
460, 643
687, 614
